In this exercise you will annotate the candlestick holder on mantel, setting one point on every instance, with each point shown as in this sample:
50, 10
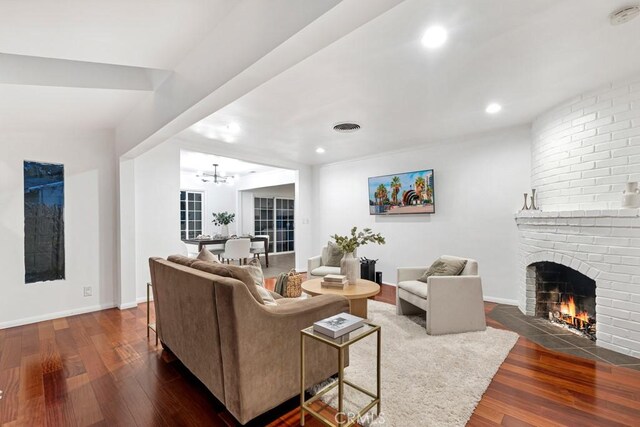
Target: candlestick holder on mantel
530, 206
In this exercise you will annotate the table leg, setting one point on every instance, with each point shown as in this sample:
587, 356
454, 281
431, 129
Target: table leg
302, 379
200, 246
266, 255
358, 307
148, 316
378, 371
340, 417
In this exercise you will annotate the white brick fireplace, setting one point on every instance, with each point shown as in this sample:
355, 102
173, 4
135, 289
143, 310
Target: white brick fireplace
583, 152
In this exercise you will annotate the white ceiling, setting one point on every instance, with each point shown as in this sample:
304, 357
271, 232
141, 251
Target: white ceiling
191, 161
153, 34
526, 55
144, 33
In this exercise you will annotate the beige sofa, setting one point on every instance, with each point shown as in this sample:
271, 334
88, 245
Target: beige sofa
453, 304
246, 353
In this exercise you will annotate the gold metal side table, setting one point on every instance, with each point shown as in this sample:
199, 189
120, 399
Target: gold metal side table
150, 326
341, 344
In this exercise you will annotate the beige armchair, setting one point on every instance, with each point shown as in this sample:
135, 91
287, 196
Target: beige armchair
316, 266
453, 304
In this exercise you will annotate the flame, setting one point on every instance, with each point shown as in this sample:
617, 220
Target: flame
569, 308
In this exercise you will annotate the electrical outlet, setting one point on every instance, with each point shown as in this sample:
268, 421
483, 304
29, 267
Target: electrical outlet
87, 291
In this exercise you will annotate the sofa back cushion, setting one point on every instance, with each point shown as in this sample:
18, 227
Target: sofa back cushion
232, 271
182, 260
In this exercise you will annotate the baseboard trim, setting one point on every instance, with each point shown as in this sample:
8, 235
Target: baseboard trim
56, 315
128, 305
140, 300
501, 300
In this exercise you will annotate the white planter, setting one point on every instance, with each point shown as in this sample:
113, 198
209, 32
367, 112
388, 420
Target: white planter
350, 267
224, 230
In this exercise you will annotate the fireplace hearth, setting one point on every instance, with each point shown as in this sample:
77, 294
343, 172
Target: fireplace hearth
566, 298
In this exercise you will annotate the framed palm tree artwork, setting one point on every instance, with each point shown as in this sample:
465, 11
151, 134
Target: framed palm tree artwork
402, 193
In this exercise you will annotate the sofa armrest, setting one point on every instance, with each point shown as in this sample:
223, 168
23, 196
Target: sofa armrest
454, 305
313, 263
261, 348
410, 273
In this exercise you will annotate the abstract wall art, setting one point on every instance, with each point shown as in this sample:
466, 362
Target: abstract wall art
44, 255
402, 193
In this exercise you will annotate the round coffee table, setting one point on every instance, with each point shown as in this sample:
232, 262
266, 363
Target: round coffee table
356, 294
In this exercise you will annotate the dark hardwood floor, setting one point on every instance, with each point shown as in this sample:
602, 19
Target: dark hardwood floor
100, 369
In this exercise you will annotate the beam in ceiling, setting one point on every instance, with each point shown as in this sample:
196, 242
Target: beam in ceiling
256, 41
38, 71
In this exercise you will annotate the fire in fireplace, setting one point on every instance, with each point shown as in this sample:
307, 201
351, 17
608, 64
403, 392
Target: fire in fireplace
566, 297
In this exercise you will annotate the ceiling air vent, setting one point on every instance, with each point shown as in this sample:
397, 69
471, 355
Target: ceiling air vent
346, 127
625, 14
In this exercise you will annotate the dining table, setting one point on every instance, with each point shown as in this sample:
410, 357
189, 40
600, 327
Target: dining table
222, 240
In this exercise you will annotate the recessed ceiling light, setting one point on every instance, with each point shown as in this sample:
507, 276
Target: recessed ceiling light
434, 37
493, 108
320, 150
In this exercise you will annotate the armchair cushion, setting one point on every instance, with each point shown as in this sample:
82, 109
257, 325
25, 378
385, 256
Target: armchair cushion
334, 255
324, 270
444, 267
415, 287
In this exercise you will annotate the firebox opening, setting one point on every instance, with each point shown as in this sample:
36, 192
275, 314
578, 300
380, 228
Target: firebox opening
565, 297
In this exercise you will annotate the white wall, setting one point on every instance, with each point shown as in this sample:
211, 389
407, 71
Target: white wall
479, 183
157, 209
90, 221
587, 148
217, 198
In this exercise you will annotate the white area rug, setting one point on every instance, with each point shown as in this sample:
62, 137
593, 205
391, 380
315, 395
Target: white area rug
426, 380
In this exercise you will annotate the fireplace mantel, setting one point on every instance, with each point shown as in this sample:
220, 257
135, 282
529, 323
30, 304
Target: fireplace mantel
605, 213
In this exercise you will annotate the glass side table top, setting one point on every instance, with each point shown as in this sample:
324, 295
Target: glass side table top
344, 340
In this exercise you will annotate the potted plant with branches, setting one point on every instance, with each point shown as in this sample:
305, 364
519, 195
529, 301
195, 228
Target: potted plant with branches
349, 265
223, 219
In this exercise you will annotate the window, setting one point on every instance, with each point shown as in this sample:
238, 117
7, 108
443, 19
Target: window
273, 217
190, 214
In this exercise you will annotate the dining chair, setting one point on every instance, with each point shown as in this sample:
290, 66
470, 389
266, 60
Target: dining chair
237, 249
216, 249
260, 247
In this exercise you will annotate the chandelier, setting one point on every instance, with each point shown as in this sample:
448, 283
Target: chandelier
215, 177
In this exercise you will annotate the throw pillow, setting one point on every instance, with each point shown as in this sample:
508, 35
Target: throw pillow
266, 296
444, 267
181, 259
334, 255
233, 271
206, 255
254, 268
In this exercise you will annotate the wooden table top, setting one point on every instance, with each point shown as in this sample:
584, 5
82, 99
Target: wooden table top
362, 289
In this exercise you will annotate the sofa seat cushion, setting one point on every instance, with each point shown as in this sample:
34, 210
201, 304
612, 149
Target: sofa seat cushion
414, 287
232, 271
324, 270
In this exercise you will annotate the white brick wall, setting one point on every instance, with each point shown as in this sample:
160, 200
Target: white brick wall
602, 244
586, 149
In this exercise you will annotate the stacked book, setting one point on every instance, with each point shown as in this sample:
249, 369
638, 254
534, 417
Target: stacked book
334, 281
338, 325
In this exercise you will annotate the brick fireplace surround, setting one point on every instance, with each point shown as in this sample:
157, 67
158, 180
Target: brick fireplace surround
583, 152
